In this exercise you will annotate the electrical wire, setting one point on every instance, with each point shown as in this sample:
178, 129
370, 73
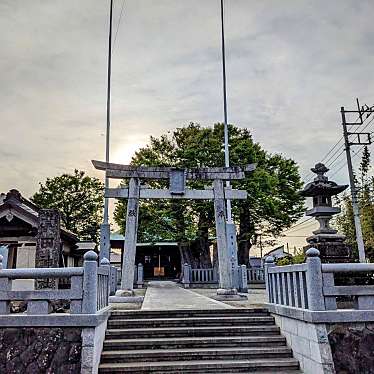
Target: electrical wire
299, 224
309, 178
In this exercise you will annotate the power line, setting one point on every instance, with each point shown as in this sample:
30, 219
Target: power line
300, 223
356, 153
309, 177
335, 159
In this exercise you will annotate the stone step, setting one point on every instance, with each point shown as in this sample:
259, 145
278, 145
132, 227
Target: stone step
184, 313
193, 321
202, 366
192, 331
227, 353
194, 342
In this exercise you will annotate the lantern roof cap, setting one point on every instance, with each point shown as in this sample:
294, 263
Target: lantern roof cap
321, 185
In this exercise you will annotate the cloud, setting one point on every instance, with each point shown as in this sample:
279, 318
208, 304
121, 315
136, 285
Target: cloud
290, 67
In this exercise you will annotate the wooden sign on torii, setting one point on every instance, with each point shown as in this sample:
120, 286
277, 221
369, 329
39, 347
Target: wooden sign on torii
177, 190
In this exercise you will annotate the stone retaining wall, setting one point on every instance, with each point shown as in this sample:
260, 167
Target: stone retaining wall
310, 344
352, 347
40, 350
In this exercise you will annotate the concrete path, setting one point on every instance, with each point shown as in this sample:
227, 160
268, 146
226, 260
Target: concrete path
167, 295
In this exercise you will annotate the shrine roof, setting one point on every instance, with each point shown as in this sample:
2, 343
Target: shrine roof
28, 211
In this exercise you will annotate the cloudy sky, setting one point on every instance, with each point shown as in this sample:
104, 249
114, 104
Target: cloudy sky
291, 65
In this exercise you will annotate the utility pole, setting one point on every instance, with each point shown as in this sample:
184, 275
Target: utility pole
348, 144
105, 227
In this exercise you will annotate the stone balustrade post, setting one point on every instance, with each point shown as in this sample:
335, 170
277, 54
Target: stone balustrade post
113, 280
140, 277
186, 276
234, 273
243, 279
5, 285
135, 274
89, 304
314, 282
104, 263
269, 262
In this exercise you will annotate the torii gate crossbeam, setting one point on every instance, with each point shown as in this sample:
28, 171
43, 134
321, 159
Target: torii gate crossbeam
177, 190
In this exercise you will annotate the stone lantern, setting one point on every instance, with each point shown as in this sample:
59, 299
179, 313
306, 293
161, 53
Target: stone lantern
326, 239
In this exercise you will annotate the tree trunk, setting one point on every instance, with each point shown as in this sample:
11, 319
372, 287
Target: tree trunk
197, 252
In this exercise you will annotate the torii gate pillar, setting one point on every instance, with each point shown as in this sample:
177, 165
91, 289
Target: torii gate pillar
224, 257
131, 232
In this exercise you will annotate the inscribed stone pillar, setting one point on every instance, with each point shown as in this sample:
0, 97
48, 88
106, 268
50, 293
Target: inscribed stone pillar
104, 241
225, 276
130, 235
48, 245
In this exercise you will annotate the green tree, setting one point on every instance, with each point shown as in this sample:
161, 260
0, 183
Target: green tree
78, 197
297, 258
273, 202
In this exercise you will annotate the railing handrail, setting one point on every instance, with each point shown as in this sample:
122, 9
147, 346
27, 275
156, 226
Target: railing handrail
288, 268
40, 273
347, 268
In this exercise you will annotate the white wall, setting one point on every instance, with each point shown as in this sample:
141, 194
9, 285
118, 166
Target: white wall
25, 259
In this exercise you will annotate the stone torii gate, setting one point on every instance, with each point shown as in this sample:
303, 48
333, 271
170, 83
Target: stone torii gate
177, 190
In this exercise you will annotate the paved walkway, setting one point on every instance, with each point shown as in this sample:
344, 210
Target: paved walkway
167, 295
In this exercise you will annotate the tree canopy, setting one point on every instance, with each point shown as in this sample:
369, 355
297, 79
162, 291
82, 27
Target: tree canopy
78, 197
273, 202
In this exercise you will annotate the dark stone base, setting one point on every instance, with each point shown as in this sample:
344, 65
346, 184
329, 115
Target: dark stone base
352, 347
332, 252
40, 350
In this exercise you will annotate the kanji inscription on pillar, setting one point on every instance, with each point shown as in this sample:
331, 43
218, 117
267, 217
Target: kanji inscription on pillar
48, 244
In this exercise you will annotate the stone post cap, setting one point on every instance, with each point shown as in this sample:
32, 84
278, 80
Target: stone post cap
312, 252
269, 259
90, 256
140, 264
104, 261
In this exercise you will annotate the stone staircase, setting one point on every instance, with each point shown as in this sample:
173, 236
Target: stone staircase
195, 341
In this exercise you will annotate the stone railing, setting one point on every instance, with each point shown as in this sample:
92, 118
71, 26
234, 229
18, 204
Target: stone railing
199, 276
139, 276
308, 290
88, 293
286, 285
363, 294
204, 275
210, 276
255, 275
